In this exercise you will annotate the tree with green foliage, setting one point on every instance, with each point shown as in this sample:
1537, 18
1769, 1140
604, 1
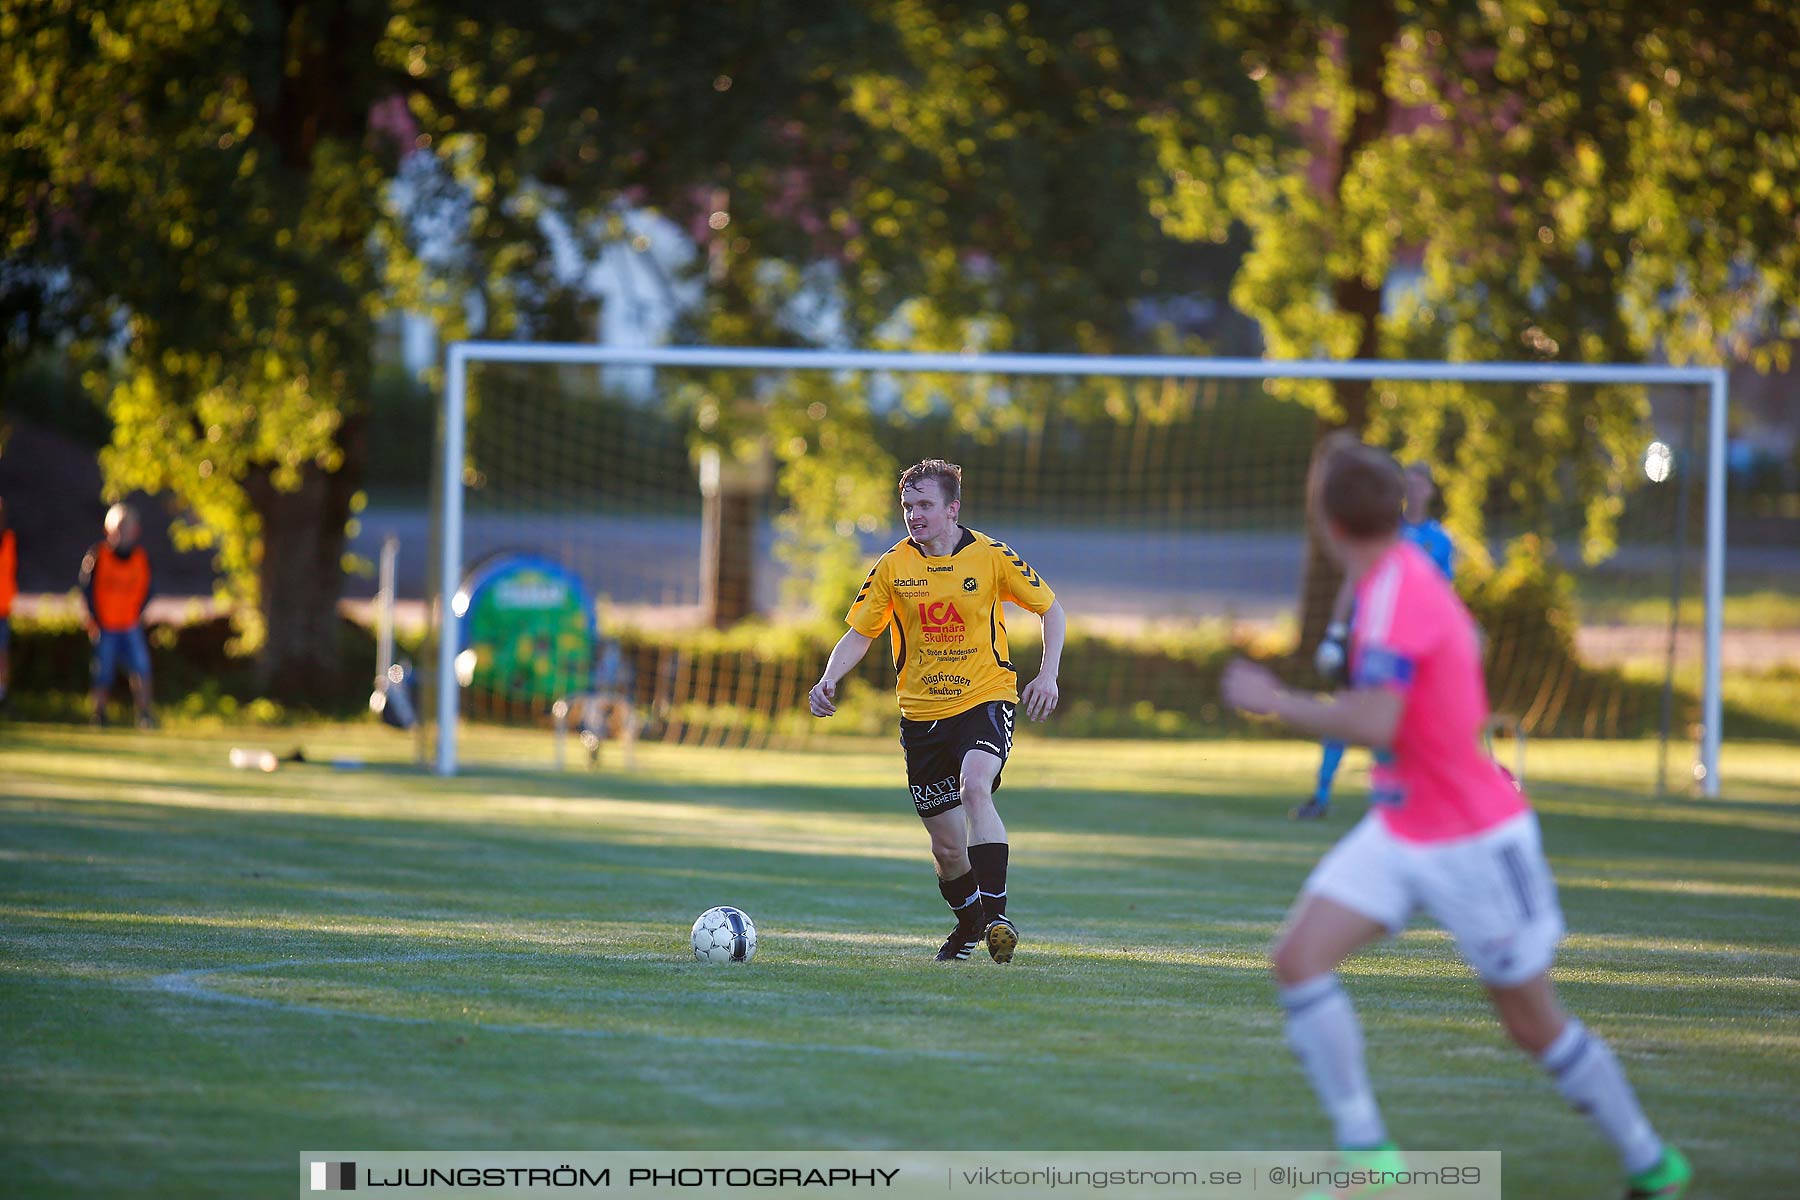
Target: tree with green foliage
198, 182
1575, 182
212, 202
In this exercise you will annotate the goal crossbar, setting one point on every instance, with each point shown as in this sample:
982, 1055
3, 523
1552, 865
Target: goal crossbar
459, 355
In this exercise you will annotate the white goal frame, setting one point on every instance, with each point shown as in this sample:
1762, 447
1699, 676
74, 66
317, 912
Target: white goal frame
454, 417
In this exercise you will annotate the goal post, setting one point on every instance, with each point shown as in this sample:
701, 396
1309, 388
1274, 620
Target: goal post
461, 356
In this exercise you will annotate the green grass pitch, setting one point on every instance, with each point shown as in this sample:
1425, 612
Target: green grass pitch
204, 971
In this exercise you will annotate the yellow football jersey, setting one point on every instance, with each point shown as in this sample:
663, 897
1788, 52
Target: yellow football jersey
945, 622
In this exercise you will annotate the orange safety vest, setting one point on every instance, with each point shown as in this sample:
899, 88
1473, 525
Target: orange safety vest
121, 585
9, 572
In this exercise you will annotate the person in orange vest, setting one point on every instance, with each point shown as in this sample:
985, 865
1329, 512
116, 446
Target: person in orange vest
9, 587
115, 579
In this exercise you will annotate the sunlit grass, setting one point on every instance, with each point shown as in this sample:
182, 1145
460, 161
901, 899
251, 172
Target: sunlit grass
206, 966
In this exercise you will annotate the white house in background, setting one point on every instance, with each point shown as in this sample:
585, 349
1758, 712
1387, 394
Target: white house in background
641, 280
418, 343
643, 285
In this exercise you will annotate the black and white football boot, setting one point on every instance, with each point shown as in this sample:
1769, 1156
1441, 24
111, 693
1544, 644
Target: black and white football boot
959, 945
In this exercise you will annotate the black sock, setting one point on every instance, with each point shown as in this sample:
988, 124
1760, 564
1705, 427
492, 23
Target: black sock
964, 899
989, 861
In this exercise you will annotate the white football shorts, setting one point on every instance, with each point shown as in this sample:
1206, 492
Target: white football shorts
1493, 892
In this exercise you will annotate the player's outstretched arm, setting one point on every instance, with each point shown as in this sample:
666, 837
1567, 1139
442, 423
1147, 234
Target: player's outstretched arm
844, 656
1367, 716
1041, 694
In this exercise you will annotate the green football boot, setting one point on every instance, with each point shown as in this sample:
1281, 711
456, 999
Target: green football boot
1667, 1180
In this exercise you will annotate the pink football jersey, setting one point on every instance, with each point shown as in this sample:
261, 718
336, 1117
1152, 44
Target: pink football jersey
1412, 634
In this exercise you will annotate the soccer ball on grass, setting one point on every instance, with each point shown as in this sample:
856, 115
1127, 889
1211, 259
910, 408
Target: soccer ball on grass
724, 934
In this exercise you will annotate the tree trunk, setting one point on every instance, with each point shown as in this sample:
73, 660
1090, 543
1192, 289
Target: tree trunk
301, 577
732, 492
728, 558
1366, 44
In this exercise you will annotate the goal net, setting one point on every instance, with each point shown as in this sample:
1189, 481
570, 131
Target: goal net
678, 537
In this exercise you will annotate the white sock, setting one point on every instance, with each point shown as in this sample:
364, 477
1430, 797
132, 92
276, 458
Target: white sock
1594, 1084
1323, 1031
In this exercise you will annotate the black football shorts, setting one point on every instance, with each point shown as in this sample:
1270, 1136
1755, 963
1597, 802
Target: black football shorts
935, 750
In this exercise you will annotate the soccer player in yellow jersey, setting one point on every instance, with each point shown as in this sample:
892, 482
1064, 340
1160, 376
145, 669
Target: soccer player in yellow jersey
939, 594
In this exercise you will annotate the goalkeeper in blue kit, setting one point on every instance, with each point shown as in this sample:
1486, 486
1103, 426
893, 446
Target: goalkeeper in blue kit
1423, 531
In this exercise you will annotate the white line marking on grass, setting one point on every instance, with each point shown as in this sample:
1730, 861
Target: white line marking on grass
190, 985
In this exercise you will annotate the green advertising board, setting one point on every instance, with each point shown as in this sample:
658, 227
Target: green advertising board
526, 630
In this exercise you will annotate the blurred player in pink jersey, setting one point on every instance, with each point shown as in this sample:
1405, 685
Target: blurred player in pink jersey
1447, 832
